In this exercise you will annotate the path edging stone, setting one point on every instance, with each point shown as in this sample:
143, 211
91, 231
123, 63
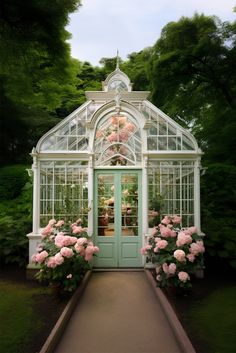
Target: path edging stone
61, 323
178, 330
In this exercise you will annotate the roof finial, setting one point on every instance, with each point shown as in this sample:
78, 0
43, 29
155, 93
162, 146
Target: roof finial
117, 60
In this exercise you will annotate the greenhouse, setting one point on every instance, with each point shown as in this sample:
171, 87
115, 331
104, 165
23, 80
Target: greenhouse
118, 163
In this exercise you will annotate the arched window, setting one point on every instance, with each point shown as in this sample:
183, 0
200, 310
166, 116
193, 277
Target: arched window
117, 141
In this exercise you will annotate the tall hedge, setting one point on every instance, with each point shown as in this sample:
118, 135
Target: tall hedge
15, 214
218, 199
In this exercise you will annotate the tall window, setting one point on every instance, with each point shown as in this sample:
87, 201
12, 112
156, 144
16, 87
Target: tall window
63, 191
171, 190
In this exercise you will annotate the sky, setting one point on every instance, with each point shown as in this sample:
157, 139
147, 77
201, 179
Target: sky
100, 27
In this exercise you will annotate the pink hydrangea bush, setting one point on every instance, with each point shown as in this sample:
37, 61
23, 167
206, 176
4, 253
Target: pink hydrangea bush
177, 252
64, 254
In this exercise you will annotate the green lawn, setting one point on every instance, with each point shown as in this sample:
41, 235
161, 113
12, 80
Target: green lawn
214, 320
18, 323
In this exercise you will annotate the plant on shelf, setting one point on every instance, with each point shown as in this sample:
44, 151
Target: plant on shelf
176, 252
156, 204
64, 254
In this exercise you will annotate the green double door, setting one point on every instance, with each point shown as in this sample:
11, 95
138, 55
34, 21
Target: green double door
118, 218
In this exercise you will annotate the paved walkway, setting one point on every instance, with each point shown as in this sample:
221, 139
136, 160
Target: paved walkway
118, 313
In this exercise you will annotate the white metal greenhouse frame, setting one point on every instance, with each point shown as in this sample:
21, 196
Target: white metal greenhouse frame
90, 139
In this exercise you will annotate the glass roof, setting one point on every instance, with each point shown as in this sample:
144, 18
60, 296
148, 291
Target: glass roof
163, 134
117, 136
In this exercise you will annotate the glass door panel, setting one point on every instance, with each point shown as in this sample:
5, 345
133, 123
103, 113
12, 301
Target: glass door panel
106, 202
129, 204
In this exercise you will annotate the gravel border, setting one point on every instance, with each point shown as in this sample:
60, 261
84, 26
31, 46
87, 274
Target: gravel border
178, 330
58, 329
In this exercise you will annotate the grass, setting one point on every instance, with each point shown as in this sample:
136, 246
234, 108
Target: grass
18, 323
213, 319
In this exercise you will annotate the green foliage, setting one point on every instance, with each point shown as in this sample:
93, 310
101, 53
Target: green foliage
12, 180
16, 329
218, 197
138, 69
36, 72
15, 223
205, 320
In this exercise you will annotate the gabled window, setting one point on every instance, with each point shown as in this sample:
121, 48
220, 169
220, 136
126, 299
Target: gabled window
117, 141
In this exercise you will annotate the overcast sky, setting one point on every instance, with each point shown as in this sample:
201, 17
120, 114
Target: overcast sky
100, 27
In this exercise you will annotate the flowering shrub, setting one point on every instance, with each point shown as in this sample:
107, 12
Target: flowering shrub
64, 254
177, 252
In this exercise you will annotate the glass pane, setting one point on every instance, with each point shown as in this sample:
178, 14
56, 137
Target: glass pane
106, 201
129, 204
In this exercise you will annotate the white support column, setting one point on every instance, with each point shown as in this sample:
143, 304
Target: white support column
36, 201
34, 237
197, 209
145, 199
90, 196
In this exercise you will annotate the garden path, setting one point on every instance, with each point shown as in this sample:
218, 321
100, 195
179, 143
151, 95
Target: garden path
118, 313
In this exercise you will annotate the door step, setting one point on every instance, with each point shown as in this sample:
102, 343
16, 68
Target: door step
128, 269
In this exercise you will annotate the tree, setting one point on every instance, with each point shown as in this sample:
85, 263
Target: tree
35, 63
193, 80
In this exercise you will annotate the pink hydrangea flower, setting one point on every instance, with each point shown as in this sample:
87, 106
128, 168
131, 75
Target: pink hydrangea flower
59, 240
183, 276
201, 245
176, 219
197, 248
145, 248
192, 230
79, 249
179, 255
172, 268
47, 231
40, 257
95, 249
183, 239
166, 220
51, 263
123, 135
113, 137
73, 240
161, 244
153, 231
165, 268
59, 224
130, 127
52, 222
77, 229
114, 120
59, 259
33, 258
190, 257
165, 232
82, 241
66, 252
